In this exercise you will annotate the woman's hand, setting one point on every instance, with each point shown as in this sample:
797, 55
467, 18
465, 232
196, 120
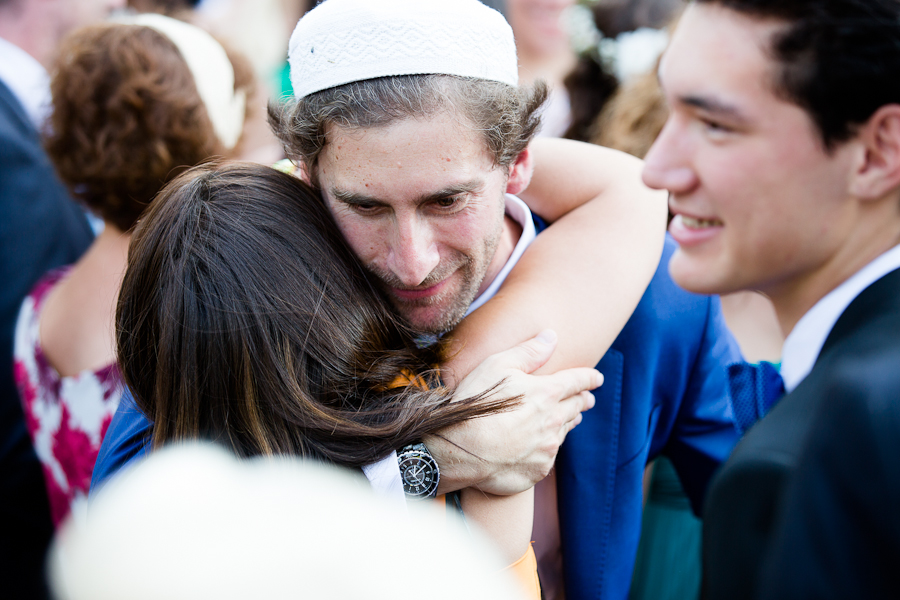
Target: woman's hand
509, 452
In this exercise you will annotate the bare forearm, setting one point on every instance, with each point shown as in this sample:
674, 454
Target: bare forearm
505, 519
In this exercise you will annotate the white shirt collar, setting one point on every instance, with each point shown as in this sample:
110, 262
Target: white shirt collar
27, 79
804, 343
384, 475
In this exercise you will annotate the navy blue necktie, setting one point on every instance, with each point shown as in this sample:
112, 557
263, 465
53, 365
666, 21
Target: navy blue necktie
753, 389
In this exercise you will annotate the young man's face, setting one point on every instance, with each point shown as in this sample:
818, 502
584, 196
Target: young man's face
759, 204
421, 203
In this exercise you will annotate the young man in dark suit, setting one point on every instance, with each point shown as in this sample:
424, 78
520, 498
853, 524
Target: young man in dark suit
782, 157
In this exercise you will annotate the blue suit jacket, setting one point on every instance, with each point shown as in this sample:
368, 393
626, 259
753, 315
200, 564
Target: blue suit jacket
40, 228
664, 392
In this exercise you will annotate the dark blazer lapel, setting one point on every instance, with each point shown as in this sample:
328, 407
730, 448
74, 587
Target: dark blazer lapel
880, 298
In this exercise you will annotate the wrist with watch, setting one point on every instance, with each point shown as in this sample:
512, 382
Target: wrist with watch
418, 471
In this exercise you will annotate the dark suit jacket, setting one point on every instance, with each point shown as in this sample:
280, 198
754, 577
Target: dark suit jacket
40, 229
807, 506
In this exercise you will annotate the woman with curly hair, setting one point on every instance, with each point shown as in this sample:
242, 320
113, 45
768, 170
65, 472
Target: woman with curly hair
134, 104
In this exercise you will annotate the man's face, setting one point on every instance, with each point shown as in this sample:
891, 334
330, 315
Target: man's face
759, 203
420, 202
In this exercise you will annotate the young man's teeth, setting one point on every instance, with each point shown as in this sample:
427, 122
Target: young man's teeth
698, 223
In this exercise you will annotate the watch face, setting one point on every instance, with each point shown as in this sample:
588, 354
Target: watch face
419, 473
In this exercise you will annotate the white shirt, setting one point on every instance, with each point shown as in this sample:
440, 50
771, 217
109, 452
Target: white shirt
27, 79
803, 345
384, 475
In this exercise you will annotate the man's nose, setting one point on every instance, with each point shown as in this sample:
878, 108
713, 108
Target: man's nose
666, 165
413, 254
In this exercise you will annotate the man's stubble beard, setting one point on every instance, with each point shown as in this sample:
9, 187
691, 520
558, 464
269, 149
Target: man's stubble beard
473, 275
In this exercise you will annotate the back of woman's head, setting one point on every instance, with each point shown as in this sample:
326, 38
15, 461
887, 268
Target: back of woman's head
127, 116
244, 318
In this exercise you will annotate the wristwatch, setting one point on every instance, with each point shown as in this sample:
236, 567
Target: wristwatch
418, 471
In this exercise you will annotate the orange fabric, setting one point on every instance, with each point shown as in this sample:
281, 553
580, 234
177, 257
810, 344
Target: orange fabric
525, 571
405, 379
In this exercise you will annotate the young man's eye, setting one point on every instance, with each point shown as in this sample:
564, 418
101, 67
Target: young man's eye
715, 127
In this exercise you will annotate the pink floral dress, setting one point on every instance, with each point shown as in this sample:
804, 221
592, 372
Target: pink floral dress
66, 417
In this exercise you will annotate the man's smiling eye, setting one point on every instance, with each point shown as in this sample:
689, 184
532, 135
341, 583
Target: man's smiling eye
715, 127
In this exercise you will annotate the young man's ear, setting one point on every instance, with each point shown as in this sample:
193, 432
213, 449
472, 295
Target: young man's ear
878, 168
520, 173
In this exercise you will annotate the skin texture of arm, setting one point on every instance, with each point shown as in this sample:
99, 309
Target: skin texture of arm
582, 277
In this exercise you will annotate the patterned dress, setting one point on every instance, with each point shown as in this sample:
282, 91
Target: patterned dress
66, 417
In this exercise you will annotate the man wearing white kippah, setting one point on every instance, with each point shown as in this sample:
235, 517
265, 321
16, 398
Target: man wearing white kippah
41, 229
408, 115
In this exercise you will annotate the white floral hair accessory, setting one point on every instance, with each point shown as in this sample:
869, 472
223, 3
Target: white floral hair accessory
630, 53
341, 41
211, 69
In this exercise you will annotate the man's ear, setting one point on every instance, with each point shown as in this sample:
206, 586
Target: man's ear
520, 173
878, 169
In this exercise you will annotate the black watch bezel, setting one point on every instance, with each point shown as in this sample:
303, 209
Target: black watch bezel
419, 472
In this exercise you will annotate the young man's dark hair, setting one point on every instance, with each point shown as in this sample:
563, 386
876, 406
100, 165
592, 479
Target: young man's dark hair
839, 59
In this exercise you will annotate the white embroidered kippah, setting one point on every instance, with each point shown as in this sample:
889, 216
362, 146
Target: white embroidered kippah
341, 41
212, 71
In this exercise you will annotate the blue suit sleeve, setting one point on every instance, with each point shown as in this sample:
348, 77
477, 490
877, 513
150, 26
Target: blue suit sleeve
704, 433
127, 440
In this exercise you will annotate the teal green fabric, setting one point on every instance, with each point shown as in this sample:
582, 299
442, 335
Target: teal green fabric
668, 558
283, 82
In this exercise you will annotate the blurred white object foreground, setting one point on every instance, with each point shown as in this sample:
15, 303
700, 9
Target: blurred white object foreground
193, 522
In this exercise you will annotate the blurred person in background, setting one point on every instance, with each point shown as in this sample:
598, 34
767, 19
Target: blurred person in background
259, 29
545, 53
41, 229
194, 523
134, 104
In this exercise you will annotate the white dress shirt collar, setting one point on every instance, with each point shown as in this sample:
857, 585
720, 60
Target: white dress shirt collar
27, 79
804, 343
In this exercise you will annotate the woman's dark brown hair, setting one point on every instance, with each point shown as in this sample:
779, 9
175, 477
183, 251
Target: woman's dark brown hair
127, 117
245, 319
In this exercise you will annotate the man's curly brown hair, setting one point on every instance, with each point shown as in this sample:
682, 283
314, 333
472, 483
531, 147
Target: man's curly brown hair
127, 118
